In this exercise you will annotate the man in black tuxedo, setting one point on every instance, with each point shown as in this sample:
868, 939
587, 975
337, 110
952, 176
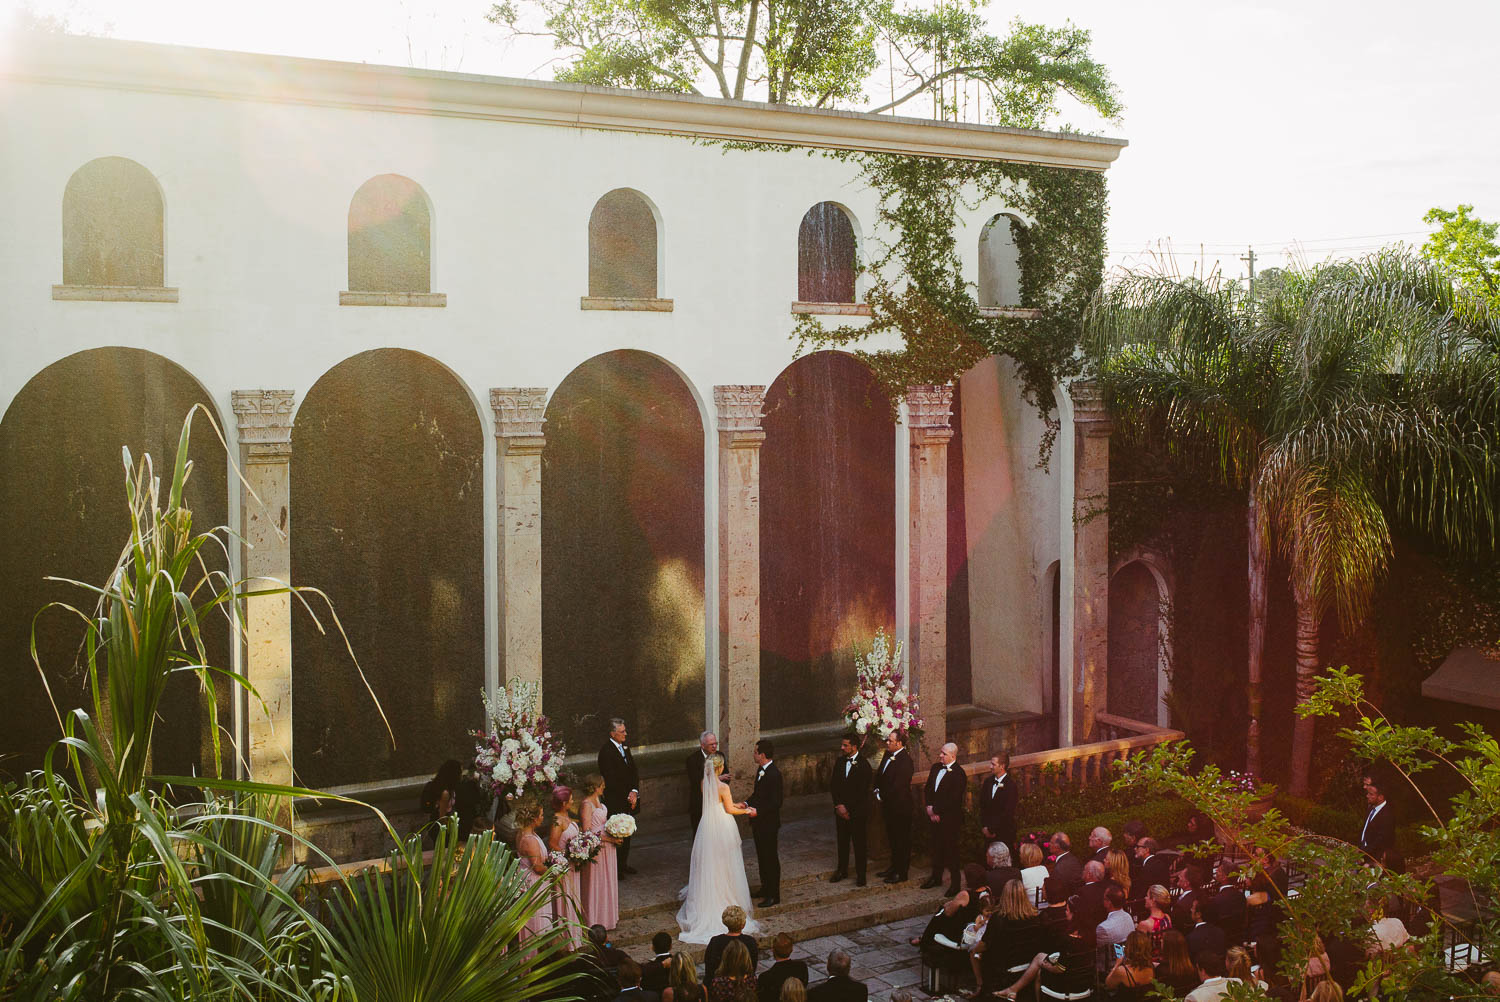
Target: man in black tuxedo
997, 803
630, 984
765, 821
654, 971
1227, 908
1156, 867
839, 987
1066, 866
1379, 831
850, 786
1205, 937
622, 783
768, 985
1190, 883
893, 790
943, 798
708, 743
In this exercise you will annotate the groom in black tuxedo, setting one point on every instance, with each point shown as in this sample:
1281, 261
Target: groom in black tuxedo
622, 781
765, 823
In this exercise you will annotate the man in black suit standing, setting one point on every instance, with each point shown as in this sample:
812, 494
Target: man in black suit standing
1379, 831
893, 790
850, 787
765, 821
622, 781
997, 803
943, 798
708, 743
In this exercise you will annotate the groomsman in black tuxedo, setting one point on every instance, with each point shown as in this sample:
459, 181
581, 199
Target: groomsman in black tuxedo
850, 786
622, 781
943, 797
765, 823
997, 804
893, 790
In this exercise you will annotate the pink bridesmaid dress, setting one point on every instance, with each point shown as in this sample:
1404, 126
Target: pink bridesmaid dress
565, 902
542, 917
601, 888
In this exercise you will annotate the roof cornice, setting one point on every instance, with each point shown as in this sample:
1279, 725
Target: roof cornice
169, 69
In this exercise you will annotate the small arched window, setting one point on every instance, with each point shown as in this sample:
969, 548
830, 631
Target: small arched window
113, 232
622, 247
390, 236
826, 255
1000, 262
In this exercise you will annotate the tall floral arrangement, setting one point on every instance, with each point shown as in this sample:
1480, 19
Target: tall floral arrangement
881, 705
518, 750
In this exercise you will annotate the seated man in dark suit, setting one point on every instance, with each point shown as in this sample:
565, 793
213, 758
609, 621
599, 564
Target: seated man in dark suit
1066, 866
839, 987
1227, 909
1205, 937
768, 987
630, 984
1088, 904
734, 922
1190, 886
1156, 867
654, 971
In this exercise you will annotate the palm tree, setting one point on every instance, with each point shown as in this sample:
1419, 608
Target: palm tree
1348, 396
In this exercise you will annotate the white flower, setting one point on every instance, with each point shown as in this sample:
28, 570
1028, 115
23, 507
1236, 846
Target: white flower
550, 773
510, 746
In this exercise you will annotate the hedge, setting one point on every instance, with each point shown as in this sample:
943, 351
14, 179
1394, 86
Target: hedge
1164, 818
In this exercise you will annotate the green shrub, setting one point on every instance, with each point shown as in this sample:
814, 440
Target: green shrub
1336, 822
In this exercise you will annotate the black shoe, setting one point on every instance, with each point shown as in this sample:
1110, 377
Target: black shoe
859, 881
930, 883
895, 878
629, 870
885, 873
768, 903
837, 876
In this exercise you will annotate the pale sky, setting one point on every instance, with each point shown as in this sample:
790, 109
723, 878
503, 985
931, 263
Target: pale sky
1325, 125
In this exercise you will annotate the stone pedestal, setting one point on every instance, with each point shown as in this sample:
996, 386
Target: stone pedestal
928, 412
264, 418
740, 438
1091, 429
519, 414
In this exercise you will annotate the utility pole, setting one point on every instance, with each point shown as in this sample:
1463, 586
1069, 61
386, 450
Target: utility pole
1251, 259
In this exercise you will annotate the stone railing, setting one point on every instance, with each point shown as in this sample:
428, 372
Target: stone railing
1089, 763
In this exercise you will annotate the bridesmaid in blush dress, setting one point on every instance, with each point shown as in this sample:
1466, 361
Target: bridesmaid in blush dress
601, 889
532, 854
565, 902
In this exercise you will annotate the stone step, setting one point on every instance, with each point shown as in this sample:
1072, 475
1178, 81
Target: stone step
790, 882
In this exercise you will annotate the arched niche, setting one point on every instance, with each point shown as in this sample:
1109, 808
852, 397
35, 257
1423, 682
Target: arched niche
1000, 261
113, 220
1052, 675
827, 261
62, 498
387, 513
827, 534
623, 239
623, 552
390, 236
1140, 616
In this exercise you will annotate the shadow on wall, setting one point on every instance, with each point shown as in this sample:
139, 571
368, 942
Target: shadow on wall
827, 535
62, 498
622, 552
387, 502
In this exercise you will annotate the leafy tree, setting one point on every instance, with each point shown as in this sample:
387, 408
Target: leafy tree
820, 52
1467, 246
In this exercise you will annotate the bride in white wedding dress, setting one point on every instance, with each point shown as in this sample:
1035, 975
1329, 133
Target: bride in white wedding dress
716, 874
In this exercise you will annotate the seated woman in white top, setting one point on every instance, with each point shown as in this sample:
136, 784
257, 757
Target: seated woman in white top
1033, 868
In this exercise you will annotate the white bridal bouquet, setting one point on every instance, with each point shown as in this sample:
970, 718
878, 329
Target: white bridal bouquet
619, 826
519, 749
582, 848
881, 704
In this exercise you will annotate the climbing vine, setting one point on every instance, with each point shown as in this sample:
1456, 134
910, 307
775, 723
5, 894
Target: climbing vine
917, 286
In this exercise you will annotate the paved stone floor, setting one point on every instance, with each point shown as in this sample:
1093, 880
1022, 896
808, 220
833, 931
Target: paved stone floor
883, 958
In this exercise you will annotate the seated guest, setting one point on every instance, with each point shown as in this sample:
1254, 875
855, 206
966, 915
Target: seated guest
1088, 904
1156, 867
682, 980
1175, 969
1190, 889
1215, 985
1158, 918
1226, 909
734, 924
608, 954
1117, 924
1237, 966
1001, 871
1012, 938
1328, 991
1117, 865
1205, 937
1033, 868
1099, 842
630, 984
839, 987
1065, 865
792, 990
734, 975
1054, 915
1131, 836
1267, 893
958, 911
783, 969
1199, 830
1132, 974
654, 971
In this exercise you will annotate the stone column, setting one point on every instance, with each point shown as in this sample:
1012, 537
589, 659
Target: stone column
265, 433
740, 438
519, 414
928, 411
1091, 429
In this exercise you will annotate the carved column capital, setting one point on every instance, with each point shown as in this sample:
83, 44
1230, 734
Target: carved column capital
928, 413
264, 419
1090, 415
739, 409
520, 412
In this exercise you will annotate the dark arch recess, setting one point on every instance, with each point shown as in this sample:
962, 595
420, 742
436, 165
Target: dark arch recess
62, 498
827, 536
623, 246
1134, 642
387, 509
826, 255
622, 552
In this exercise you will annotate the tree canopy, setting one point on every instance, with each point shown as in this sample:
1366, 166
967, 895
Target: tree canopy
822, 53
1466, 245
